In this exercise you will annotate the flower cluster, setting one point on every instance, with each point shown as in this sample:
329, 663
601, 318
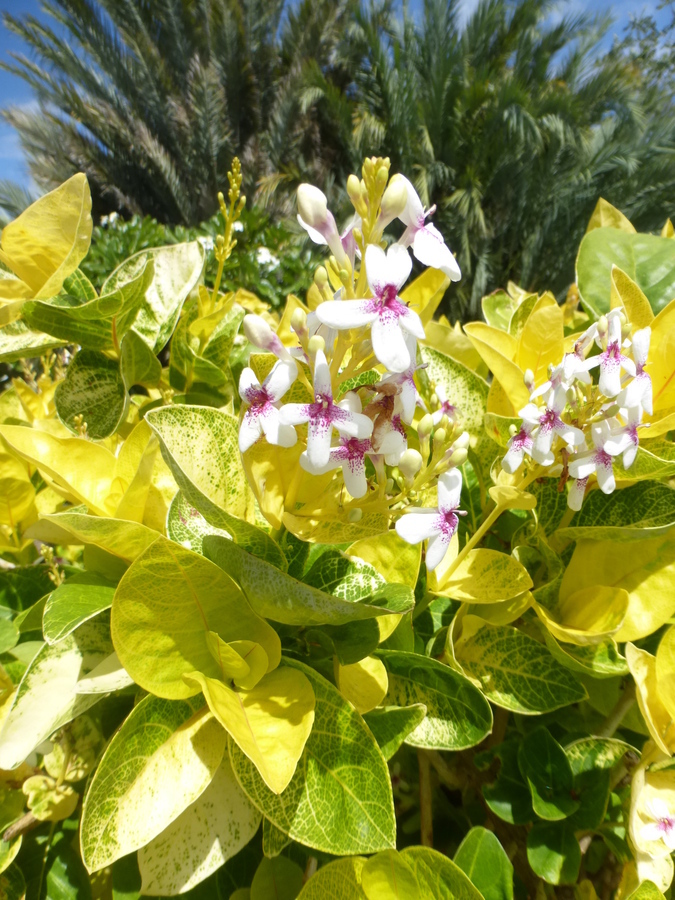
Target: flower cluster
361, 331
579, 426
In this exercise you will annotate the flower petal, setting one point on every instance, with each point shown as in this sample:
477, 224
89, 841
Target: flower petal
323, 385
295, 413
343, 314
413, 214
449, 489
436, 550
354, 472
577, 490
417, 526
275, 431
431, 250
513, 460
250, 430
308, 466
412, 324
318, 441
399, 265
389, 344
280, 379
605, 475
376, 268
315, 235
641, 341
354, 425
582, 466
248, 383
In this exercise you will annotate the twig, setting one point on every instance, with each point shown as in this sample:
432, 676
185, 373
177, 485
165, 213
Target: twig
615, 717
426, 800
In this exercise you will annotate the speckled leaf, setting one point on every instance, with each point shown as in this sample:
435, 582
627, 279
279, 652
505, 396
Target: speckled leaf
335, 574
18, 341
204, 836
599, 660
165, 605
157, 764
177, 269
468, 392
515, 671
273, 839
339, 800
46, 697
486, 576
187, 526
642, 510
125, 540
551, 503
275, 595
93, 389
648, 466
79, 598
458, 715
339, 880
391, 725
138, 364
439, 877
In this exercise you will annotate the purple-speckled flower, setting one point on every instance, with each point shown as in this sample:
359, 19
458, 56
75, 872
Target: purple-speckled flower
262, 415
426, 240
350, 454
435, 525
389, 317
612, 360
662, 824
548, 424
639, 390
625, 439
520, 444
597, 460
324, 415
575, 495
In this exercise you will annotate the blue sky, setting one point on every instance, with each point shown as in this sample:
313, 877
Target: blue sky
14, 91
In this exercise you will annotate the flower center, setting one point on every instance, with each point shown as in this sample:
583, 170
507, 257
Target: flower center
258, 397
448, 522
389, 296
666, 824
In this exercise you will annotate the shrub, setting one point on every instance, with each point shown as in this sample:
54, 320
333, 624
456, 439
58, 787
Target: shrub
372, 625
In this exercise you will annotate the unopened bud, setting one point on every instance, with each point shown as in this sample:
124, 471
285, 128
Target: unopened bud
344, 276
528, 379
355, 515
299, 321
258, 331
625, 330
316, 343
368, 166
458, 458
395, 198
389, 486
321, 277
354, 189
433, 400
425, 425
571, 395
602, 324
221, 198
410, 463
381, 177
312, 205
462, 442
439, 437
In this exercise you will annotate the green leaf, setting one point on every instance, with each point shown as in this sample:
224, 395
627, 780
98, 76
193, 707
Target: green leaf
273, 839
18, 341
138, 364
592, 760
336, 574
387, 876
486, 576
341, 770
23, 586
647, 259
553, 852
598, 660
551, 503
9, 635
177, 269
46, 697
483, 859
646, 891
12, 884
339, 880
123, 539
509, 797
165, 605
157, 764
547, 770
648, 466
93, 389
468, 392
275, 595
458, 715
280, 878
219, 823
391, 725
497, 309
438, 877
350, 643
514, 670
78, 599
187, 526
640, 511
79, 286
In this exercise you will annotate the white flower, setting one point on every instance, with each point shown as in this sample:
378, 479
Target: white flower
624, 439
597, 460
406, 382
350, 454
262, 415
318, 221
435, 525
662, 826
612, 360
389, 318
427, 242
446, 408
323, 415
639, 390
576, 493
265, 258
519, 444
548, 424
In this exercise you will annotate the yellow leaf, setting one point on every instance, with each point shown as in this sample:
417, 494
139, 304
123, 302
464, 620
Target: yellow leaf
133, 473
270, 472
661, 364
84, 469
588, 616
642, 667
126, 540
647, 572
286, 335
665, 670
625, 292
425, 293
390, 555
498, 349
454, 343
387, 876
668, 231
364, 684
607, 216
486, 576
270, 723
47, 242
509, 497
244, 662
498, 402
503, 613
541, 340
12, 292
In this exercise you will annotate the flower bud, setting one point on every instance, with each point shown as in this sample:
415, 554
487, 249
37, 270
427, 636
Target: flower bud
355, 515
299, 321
354, 189
389, 486
394, 199
261, 335
368, 166
603, 325
410, 463
321, 277
381, 177
312, 205
425, 425
458, 458
316, 343
528, 379
462, 442
439, 437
